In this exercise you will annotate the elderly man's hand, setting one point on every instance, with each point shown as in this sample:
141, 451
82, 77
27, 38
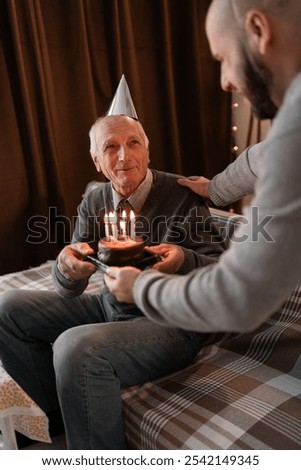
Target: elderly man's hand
172, 257
71, 264
198, 184
120, 282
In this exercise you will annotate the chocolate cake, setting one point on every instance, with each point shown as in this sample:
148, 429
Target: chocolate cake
121, 251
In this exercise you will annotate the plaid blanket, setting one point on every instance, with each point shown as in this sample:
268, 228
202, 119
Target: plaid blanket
40, 279
241, 392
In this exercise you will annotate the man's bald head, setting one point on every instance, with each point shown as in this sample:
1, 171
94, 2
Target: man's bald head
232, 12
273, 7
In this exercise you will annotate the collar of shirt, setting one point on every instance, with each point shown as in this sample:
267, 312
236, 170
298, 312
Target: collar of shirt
139, 196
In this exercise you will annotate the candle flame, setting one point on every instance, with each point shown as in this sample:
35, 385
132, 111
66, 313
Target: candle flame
132, 215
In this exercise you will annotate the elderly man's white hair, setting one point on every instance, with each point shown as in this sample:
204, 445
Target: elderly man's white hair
95, 150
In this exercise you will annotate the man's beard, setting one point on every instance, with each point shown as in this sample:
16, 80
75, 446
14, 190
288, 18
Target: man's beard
258, 80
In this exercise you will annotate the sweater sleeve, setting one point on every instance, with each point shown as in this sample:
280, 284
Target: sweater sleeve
86, 230
194, 260
65, 287
239, 178
262, 266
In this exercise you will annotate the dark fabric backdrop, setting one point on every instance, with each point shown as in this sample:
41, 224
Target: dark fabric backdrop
60, 64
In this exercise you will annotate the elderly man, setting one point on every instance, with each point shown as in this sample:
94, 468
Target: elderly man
100, 344
258, 43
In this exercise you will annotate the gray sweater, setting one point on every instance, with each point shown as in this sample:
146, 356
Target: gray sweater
239, 178
257, 273
171, 214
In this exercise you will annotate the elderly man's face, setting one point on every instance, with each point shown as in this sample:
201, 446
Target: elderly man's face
241, 71
123, 155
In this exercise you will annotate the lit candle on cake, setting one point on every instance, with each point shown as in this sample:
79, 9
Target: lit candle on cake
123, 224
107, 226
113, 222
132, 225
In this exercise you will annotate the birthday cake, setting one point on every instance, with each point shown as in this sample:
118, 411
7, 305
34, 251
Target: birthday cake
120, 251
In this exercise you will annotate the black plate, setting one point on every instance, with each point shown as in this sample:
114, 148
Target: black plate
147, 261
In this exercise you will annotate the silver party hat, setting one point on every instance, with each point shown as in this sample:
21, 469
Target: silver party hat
122, 103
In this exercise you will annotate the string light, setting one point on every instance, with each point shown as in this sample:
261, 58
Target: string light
234, 147
234, 129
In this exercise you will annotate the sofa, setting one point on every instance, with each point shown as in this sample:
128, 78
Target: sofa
242, 391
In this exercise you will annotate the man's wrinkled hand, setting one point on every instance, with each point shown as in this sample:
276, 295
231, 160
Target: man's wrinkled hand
120, 282
172, 257
71, 264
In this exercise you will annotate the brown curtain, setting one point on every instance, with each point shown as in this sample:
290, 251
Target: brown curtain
60, 64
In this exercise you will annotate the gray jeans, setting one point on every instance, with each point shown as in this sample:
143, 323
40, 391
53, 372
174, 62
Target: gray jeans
67, 353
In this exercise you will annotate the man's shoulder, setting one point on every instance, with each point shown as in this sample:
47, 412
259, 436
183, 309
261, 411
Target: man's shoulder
95, 186
165, 175
96, 190
171, 180
167, 180
168, 183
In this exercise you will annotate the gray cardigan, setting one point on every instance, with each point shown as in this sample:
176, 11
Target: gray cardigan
171, 214
255, 276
